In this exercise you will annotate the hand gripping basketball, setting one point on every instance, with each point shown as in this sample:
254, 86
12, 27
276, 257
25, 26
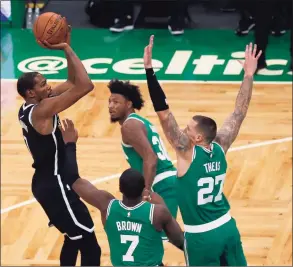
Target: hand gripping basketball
52, 31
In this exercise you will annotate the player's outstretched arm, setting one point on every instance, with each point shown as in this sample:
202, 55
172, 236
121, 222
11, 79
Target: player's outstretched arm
69, 83
134, 134
164, 220
230, 129
87, 191
82, 85
176, 137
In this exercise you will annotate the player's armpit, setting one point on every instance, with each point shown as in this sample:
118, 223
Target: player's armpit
163, 217
134, 134
176, 137
89, 193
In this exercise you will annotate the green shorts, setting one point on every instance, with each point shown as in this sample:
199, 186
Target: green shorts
218, 247
166, 189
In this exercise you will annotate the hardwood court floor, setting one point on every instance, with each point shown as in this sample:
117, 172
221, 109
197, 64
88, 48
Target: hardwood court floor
258, 183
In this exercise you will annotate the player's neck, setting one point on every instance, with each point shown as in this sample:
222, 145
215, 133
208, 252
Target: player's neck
205, 145
126, 116
131, 202
31, 101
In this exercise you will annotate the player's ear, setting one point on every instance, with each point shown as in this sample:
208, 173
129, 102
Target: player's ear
129, 104
199, 138
30, 93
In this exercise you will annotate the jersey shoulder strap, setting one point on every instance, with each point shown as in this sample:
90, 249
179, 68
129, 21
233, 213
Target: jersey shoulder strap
25, 114
134, 116
109, 207
152, 207
219, 146
193, 154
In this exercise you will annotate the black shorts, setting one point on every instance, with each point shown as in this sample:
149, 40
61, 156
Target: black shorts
62, 205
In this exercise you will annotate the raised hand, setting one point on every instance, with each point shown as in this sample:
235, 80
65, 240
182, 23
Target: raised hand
69, 133
147, 57
250, 63
47, 45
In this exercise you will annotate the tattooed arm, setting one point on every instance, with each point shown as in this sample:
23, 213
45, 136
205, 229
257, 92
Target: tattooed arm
230, 129
176, 137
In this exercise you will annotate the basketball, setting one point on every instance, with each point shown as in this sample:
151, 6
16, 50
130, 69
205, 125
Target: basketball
51, 27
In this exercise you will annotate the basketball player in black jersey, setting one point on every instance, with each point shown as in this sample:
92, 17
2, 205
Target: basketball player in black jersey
39, 120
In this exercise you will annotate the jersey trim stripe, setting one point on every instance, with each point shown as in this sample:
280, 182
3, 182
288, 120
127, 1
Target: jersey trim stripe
55, 141
30, 116
152, 213
220, 147
207, 150
208, 226
162, 176
129, 118
194, 153
131, 208
24, 107
123, 144
185, 251
76, 222
109, 207
74, 237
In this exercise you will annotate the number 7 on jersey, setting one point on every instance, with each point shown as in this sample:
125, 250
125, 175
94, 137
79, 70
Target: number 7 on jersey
134, 239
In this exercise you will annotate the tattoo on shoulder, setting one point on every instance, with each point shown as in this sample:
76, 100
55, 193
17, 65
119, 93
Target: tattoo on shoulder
175, 135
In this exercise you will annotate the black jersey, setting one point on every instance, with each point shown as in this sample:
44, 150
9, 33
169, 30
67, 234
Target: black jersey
48, 151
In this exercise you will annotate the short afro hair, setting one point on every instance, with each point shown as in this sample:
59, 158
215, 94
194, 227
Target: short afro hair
131, 183
26, 82
130, 91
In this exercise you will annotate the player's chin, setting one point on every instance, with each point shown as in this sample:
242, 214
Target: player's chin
114, 119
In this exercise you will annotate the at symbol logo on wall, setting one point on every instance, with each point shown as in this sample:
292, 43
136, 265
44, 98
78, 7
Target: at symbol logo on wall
43, 65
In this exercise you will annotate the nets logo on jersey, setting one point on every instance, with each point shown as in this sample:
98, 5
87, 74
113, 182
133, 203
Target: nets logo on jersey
23, 126
58, 122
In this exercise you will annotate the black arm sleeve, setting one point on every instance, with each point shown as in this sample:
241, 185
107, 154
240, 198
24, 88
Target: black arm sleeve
156, 92
71, 168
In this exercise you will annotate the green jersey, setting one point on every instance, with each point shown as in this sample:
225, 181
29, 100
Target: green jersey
135, 160
200, 191
132, 238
